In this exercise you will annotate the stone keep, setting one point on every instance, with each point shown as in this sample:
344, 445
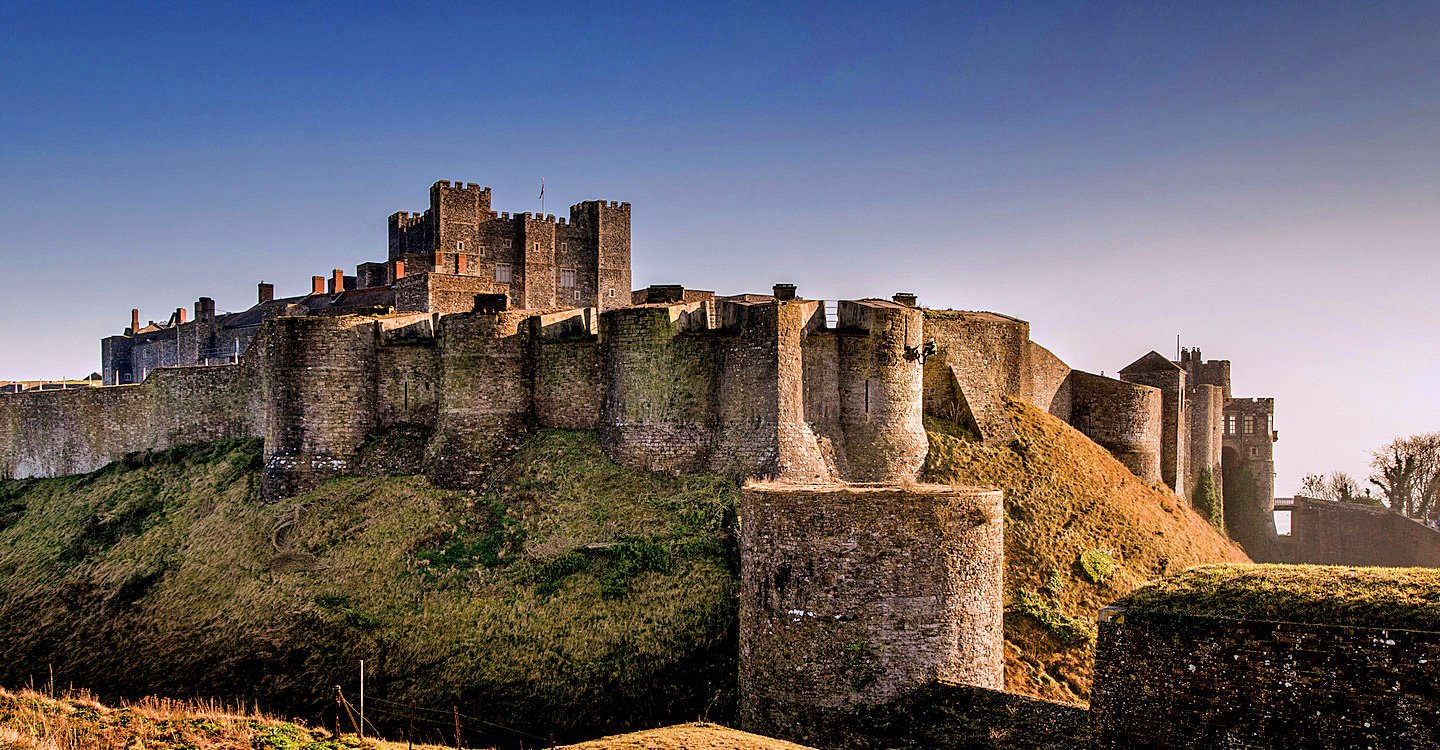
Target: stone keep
852, 595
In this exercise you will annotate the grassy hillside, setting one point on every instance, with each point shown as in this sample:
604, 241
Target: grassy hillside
571, 598
1080, 532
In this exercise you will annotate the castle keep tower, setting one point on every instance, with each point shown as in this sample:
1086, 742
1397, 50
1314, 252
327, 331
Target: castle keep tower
853, 595
459, 247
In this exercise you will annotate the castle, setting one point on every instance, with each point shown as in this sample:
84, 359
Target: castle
438, 261
479, 327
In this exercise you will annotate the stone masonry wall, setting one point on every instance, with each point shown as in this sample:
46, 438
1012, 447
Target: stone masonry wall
486, 396
53, 433
320, 381
1186, 683
1323, 532
1124, 418
1205, 413
881, 387
1048, 382
658, 407
1175, 427
569, 384
987, 355
852, 596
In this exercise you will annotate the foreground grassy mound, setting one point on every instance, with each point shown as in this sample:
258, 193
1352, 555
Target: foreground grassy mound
1080, 532
569, 598
1401, 598
32, 721
688, 737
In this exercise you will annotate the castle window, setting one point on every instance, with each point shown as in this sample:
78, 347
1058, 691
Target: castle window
502, 273
612, 294
1229, 424
459, 245
577, 295
505, 243
567, 278
535, 247
1249, 424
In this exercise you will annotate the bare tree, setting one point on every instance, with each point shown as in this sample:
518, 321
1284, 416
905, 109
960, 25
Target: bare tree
1337, 486
1407, 471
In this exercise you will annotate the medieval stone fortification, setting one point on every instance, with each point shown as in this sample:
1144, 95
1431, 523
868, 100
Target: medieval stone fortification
481, 326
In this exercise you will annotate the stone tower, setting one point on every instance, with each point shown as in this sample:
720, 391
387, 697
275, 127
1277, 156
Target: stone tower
853, 595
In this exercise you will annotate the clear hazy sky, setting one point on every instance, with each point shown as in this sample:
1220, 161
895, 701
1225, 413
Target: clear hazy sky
1261, 178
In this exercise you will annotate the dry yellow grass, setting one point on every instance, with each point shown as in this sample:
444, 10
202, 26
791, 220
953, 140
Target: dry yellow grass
1065, 497
30, 720
688, 737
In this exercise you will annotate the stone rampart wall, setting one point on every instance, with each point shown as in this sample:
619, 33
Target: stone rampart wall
1207, 683
52, 433
1124, 418
569, 383
987, 356
1330, 533
658, 408
1048, 382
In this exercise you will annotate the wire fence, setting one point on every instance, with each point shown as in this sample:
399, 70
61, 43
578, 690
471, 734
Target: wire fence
447, 725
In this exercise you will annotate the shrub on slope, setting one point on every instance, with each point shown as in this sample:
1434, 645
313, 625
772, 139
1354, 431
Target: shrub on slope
1080, 532
572, 596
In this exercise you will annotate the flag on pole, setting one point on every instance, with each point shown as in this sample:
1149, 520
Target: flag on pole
542, 196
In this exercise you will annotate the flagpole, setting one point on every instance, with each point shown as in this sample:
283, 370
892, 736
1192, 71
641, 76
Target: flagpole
542, 197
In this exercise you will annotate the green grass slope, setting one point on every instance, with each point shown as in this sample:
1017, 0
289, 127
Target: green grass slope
1080, 532
572, 597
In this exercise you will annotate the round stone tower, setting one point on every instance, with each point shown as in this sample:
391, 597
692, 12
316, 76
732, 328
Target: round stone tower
319, 391
852, 595
881, 386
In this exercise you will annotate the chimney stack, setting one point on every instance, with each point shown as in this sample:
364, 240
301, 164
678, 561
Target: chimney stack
784, 292
179, 315
317, 284
905, 298
204, 308
134, 319
267, 292
337, 281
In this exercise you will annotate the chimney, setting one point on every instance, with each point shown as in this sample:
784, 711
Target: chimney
267, 292
204, 308
460, 265
337, 281
784, 292
179, 315
317, 284
905, 298
134, 320
399, 269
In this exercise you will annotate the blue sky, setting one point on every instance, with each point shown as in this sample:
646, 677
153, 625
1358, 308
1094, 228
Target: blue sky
1261, 178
